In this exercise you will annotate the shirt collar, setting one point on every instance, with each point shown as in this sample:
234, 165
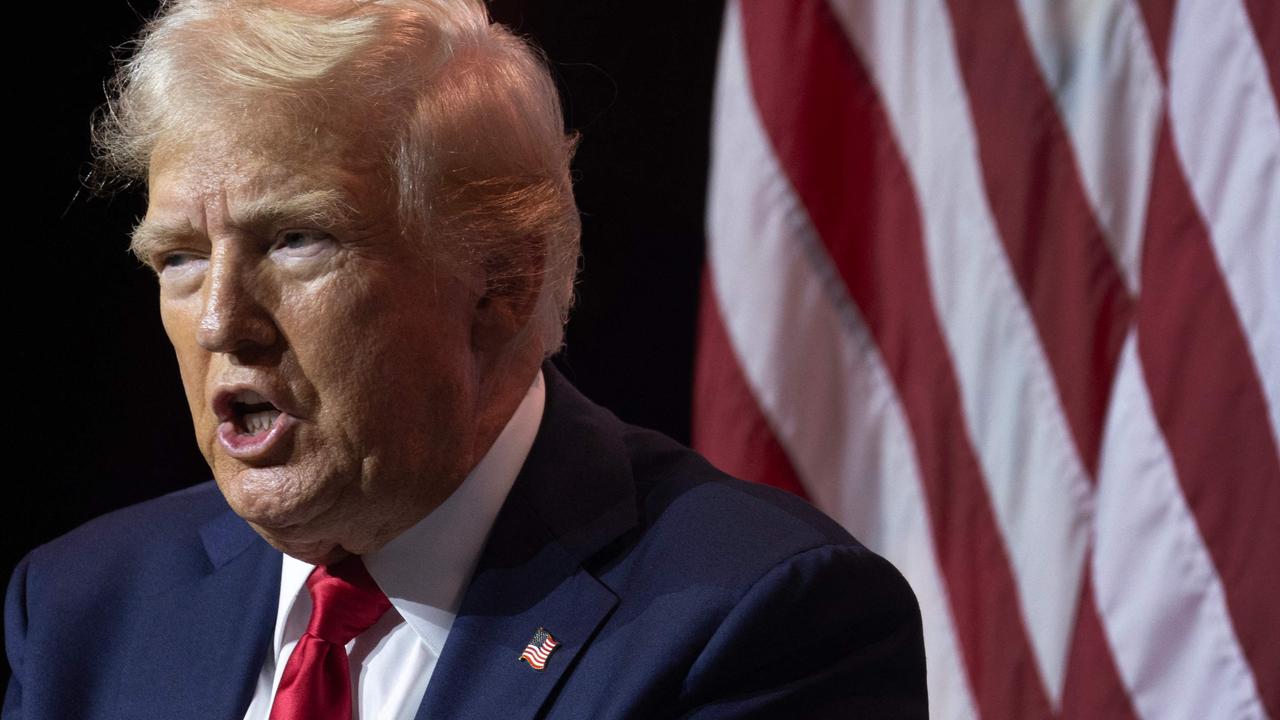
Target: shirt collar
425, 570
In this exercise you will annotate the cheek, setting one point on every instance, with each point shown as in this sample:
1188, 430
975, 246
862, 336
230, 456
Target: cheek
180, 325
334, 350
392, 360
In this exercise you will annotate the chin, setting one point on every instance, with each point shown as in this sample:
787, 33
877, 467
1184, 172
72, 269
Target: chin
316, 552
274, 499
294, 516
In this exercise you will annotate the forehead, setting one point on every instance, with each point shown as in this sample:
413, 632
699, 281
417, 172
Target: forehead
204, 192
216, 155
180, 182
231, 168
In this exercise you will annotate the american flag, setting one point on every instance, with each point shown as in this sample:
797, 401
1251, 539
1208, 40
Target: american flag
539, 649
996, 283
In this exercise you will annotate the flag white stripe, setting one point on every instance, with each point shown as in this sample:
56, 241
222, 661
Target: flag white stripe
1096, 60
1227, 134
777, 292
1038, 485
1161, 601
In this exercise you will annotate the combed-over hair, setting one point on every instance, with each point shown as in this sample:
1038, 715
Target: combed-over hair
462, 116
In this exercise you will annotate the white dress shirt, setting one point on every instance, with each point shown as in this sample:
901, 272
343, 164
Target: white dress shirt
424, 572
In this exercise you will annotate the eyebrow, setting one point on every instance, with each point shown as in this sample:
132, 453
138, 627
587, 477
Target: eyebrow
320, 208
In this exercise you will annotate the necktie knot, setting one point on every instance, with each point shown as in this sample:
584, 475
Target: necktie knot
316, 682
346, 601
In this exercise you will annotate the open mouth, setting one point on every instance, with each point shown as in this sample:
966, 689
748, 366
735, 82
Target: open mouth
251, 414
250, 425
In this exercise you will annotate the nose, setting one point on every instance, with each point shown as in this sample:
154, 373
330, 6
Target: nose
233, 319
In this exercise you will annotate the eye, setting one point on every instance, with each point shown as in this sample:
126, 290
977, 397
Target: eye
301, 243
179, 272
175, 261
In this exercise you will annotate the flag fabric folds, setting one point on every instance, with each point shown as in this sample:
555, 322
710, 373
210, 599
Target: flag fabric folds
996, 284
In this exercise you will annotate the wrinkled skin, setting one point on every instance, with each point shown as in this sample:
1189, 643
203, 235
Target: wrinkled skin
395, 374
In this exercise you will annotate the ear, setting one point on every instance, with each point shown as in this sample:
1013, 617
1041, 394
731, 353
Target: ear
504, 312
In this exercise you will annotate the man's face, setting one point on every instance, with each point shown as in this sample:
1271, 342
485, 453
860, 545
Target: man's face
328, 363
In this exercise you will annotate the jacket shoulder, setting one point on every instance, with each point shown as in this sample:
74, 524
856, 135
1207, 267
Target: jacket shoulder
154, 534
720, 520
743, 600
91, 612
131, 552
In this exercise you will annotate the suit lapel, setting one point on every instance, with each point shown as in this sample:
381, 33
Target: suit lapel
198, 646
574, 496
479, 673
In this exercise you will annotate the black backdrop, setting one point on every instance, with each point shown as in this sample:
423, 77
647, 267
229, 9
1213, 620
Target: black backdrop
97, 418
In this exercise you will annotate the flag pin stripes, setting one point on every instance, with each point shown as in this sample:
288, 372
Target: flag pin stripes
539, 649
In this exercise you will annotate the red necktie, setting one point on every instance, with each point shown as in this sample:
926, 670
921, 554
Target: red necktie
317, 679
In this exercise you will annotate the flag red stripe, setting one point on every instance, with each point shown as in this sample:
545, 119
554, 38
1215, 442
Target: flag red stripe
1265, 16
1058, 252
833, 140
1209, 403
728, 425
1157, 15
1092, 688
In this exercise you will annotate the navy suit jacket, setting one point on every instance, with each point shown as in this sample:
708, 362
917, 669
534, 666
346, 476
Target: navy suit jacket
674, 591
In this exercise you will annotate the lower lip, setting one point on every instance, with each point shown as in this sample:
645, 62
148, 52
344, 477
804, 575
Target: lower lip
254, 447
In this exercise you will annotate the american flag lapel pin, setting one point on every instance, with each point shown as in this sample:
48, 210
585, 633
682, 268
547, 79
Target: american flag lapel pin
539, 649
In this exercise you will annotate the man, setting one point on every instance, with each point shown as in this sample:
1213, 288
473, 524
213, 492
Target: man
362, 225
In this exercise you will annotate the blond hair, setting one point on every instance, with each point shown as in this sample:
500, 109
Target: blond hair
463, 115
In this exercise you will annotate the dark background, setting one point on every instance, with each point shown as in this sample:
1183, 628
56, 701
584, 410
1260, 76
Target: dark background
98, 419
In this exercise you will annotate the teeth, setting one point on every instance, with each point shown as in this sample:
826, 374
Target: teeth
257, 422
